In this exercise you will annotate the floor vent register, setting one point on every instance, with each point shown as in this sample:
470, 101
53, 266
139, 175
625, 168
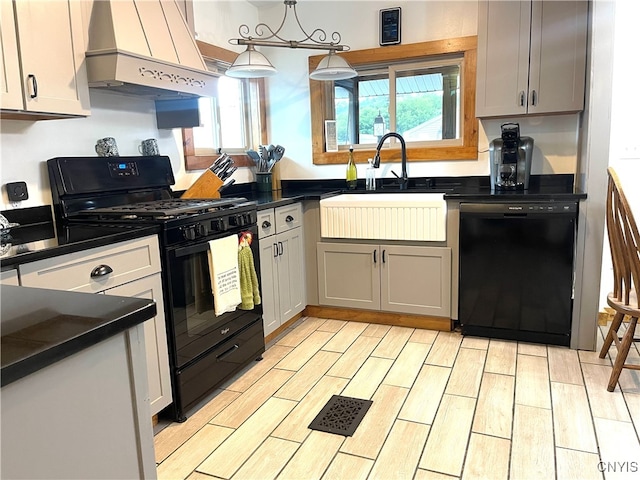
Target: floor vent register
341, 415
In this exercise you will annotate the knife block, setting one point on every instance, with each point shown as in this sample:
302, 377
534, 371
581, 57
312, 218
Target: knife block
206, 186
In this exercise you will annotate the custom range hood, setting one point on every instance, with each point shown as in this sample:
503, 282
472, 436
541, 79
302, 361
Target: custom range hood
145, 48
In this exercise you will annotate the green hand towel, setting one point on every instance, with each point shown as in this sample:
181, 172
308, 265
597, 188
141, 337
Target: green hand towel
249, 287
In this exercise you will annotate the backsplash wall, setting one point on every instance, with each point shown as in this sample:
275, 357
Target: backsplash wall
26, 146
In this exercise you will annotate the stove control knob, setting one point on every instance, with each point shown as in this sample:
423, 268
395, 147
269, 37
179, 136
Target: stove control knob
189, 233
201, 230
236, 220
218, 225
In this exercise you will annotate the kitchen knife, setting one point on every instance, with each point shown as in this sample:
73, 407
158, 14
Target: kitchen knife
228, 164
217, 165
228, 173
226, 185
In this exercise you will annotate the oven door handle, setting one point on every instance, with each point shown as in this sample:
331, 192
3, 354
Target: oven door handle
191, 249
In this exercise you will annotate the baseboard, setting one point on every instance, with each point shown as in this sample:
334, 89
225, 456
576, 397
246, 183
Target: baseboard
384, 318
283, 327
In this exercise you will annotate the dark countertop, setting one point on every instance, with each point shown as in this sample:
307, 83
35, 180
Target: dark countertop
475, 188
40, 327
37, 238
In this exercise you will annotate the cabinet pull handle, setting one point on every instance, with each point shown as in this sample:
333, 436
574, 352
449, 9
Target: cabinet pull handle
383, 259
227, 352
522, 98
266, 224
34, 84
275, 250
534, 97
375, 259
101, 271
288, 219
280, 248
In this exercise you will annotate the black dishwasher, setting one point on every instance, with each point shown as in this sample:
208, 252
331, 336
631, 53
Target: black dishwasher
516, 270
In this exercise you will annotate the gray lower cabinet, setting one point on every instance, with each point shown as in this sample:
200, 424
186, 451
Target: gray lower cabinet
81, 417
281, 264
130, 269
391, 278
155, 338
9, 277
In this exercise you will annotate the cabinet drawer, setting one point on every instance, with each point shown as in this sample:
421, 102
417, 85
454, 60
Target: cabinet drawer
288, 217
266, 223
128, 261
9, 277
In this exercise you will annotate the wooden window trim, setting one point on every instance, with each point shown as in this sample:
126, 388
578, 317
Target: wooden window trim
201, 162
467, 46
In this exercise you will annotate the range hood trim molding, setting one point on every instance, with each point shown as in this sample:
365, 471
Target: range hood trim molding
134, 74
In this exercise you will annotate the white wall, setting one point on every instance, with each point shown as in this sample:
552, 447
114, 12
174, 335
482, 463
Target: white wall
25, 145
555, 138
625, 141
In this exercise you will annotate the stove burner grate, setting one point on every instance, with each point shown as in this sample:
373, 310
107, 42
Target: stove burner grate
164, 208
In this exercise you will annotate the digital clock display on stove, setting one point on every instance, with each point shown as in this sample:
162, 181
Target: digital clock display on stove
123, 169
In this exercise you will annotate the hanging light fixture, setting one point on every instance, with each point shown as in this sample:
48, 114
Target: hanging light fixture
253, 64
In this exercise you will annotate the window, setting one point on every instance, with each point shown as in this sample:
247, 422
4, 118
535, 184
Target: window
425, 92
232, 122
418, 100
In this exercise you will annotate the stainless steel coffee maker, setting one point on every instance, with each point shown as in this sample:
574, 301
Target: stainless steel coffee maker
510, 157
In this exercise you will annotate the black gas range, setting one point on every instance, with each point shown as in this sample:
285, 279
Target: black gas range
205, 349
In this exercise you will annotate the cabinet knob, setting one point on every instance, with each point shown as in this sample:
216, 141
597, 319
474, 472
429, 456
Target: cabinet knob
534, 97
289, 219
375, 259
275, 250
266, 224
383, 259
101, 271
280, 248
522, 98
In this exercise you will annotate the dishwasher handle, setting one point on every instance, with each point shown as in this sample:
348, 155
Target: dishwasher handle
518, 210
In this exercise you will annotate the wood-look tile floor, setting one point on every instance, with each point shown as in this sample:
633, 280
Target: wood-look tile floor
444, 406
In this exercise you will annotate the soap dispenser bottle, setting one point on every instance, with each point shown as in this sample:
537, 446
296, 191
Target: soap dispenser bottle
352, 172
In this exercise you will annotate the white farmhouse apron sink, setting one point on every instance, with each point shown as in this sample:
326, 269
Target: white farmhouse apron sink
385, 216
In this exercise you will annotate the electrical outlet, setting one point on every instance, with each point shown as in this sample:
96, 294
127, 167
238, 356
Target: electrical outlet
17, 191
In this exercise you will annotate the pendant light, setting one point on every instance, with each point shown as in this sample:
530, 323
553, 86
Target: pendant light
333, 67
253, 64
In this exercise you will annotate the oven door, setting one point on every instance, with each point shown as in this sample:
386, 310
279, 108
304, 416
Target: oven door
195, 327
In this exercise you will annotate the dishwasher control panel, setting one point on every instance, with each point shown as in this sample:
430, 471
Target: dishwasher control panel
522, 208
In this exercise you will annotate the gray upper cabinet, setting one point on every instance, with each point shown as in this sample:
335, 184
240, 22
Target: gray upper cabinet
531, 57
42, 59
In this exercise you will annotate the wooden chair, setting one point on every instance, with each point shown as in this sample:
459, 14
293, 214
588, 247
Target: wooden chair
623, 241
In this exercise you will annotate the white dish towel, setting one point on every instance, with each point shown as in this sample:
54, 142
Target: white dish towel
225, 276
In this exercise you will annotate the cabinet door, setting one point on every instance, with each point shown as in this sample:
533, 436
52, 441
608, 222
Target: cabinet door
558, 56
349, 275
155, 339
503, 57
9, 277
10, 87
51, 45
291, 276
269, 284
416, 280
